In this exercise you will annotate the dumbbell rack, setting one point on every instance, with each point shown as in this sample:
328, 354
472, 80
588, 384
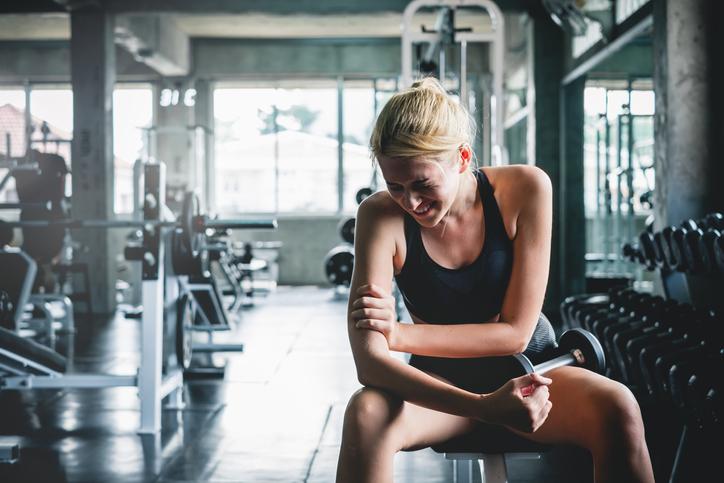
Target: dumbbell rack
678, 372
689, 258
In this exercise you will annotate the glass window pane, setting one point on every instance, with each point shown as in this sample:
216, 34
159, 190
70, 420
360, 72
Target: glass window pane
359, 117
308, 150
52, 118
244, 150
12, 121
276, 149
132, 111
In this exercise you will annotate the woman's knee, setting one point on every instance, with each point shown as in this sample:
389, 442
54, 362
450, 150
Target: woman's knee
372, 410
620, 416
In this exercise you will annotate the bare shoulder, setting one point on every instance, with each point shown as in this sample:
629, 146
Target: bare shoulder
518, 177
379, 216
379, 207
517, 188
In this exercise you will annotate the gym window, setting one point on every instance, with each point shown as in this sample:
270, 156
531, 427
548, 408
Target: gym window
132, 111
277, 149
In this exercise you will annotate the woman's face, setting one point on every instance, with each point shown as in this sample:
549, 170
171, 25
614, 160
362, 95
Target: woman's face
424, 187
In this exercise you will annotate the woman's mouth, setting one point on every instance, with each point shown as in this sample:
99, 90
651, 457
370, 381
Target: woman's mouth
424, 209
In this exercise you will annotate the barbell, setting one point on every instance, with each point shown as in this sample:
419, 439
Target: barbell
191, 222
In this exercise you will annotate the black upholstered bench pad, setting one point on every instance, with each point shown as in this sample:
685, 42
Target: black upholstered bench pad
37, 353
490, 438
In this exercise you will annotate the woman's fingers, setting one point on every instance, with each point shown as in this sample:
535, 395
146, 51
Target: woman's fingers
360, 314
370, 302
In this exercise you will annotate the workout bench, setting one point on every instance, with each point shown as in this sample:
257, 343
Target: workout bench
483, 452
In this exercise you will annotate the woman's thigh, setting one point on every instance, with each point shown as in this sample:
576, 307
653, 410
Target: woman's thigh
586, 407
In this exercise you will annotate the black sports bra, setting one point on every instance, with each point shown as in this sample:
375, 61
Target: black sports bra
473, 293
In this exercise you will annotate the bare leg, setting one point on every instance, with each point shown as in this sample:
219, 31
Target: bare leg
378, 424
602, 415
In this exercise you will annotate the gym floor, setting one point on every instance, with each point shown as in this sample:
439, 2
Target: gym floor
275, 417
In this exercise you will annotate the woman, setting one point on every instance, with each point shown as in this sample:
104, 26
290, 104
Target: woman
469, 250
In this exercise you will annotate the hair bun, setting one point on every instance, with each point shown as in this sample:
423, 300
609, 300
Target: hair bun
430, 83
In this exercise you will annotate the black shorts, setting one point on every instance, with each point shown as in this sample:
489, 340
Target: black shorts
486, 374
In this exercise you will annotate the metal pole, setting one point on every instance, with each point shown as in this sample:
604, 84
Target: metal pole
618, 240
340, 144
150, 373
464, 101
607, 191
28, 121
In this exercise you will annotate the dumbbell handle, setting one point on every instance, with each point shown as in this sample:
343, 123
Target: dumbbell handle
574, 357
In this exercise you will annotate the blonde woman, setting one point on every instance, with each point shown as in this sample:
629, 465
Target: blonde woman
469, 249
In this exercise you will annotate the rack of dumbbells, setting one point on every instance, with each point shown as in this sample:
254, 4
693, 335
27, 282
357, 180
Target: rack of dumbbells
669, 350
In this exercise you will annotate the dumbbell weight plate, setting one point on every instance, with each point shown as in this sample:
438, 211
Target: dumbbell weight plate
580, 339
362, 193
346, 230
184, 321
338, 265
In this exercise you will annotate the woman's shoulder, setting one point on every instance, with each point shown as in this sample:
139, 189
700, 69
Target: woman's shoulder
516, 177
516, 187
380, 221
380, 206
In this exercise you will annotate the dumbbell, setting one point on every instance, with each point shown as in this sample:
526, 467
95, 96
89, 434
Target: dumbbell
579, 348
648, 249
708, 247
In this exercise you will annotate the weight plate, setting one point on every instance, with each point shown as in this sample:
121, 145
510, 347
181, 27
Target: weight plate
590, 346
184, 320
362, 193
346, 230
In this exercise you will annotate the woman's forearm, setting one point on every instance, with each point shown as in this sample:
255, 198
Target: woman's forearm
418, 387
460, 340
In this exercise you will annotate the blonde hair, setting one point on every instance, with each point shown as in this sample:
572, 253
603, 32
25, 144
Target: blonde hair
421, 121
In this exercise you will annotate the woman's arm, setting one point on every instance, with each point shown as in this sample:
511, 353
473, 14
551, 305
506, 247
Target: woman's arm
523, 299
374, 253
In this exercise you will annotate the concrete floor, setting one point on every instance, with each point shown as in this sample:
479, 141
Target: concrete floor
276, 417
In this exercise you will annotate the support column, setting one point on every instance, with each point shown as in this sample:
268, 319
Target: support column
93, 77
204, 115
689, 132
548, 51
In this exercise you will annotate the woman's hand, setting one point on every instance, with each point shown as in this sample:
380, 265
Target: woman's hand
375, 310
522, 403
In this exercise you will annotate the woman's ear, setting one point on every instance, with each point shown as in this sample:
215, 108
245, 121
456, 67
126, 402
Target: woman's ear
465, 154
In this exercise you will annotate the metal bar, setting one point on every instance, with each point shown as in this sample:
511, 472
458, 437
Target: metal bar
20, 206
213, 347
464, 99
611, 46
24, 361
560, 361
149, 374
240, 224
618, 238
170, 383
340, 144
210, 328
10, 369
111, 224
77, 381
475, 37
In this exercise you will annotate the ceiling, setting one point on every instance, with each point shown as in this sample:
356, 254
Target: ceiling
56, 26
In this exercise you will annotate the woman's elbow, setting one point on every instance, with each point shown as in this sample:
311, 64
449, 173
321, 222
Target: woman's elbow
369, 373
520, 346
